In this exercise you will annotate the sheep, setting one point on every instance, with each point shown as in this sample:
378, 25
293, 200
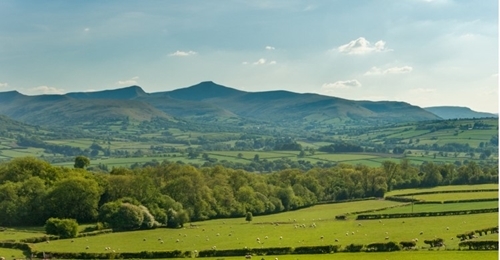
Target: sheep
352, 232
347, 233
421, 232
386, 238
218, 234
321, 237
447, 228
143, 239
114, 251
177, 240
87, 247
336, 240
72, 240
161, 241
258, 239
281, 237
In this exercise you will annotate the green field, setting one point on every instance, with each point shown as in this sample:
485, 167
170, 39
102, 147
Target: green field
444, 188
441, 207
456, 196
284, 229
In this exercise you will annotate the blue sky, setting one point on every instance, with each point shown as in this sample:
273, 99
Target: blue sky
424, 52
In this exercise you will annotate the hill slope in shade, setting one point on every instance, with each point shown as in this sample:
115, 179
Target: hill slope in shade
454, 112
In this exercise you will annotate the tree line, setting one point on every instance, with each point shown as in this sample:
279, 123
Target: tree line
171, 194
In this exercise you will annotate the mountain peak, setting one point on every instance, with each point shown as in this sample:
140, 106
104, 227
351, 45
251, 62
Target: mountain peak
204, 90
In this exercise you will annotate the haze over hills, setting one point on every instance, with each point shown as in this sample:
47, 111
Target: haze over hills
206, 100
452, 112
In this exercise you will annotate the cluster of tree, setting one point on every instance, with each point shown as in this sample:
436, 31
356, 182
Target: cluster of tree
49, 148
341, 147
171, 194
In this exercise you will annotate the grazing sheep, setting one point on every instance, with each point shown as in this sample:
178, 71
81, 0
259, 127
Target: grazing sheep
386, 238
352, 233
218, 234
321, 237
177, 240
421, 232
447, 228
336, 240
72, 240
114, 251
258, 239
87, 247
143, 239
347, 233
281, 237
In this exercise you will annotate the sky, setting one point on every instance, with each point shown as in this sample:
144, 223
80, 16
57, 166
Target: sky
424, 52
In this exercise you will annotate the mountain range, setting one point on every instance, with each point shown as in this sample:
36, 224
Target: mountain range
203, 101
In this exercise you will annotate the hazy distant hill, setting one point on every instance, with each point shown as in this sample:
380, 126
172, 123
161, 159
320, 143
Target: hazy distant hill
284, 105
203, 101
65, 110
452, 112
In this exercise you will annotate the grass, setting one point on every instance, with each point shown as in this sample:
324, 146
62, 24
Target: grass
236, 233
413, 255
440, 207
11, 253
456, 196
444, 188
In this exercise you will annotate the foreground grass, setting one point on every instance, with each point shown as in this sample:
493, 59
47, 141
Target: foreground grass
278, 231
11, 253
413, 255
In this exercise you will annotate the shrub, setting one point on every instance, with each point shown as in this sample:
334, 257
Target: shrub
354, 248
65, 228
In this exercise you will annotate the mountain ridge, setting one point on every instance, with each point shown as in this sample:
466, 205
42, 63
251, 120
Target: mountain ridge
206, 100
457, 112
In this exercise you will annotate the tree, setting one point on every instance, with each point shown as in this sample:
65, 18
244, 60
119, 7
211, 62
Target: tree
249, 217
81, 162
74, 197
256, 157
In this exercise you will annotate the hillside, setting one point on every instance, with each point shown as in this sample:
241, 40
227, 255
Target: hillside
65, 110
453, 112
206, 101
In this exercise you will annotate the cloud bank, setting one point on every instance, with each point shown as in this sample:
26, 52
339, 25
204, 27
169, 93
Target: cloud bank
182, 53
128, 82
361, 46
393, 70
342, 84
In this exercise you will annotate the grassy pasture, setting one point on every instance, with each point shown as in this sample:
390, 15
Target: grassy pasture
236, 233
444, 188
441, 207
11, 253
413, 255
456, 196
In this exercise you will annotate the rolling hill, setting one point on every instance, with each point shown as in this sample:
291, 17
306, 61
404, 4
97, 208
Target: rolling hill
453, 112
206, 100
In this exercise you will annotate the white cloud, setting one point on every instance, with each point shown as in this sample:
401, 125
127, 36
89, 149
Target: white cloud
86, 29
270, 48
342, 84
46, 90
393, 70
182, 53
422, 90
3, 84
272, 62
261, 61
362, 46
245, 63
128, 82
